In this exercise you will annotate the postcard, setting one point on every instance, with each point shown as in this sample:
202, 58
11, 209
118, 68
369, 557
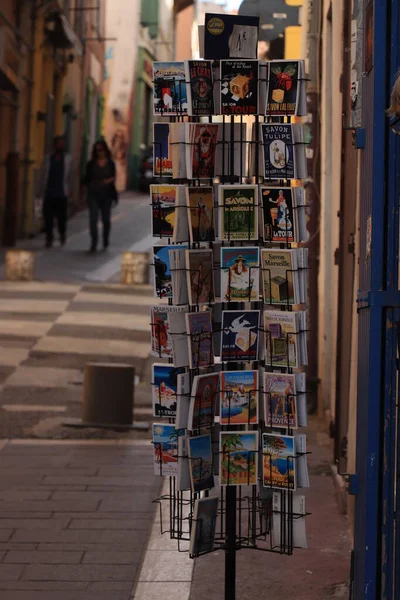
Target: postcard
162, 155
163, 203
281, 339
238, 212
280, 400
169, 88
200, 463
199, 329
164, 389
200, 276
240, 335
278, 214
280, 276
200, 204
239, 87
201, 149
204, 524
203, 401
238, 457
278, 150
230, 36
240, 274
165, 449
283, 88
239, 398
162, 268
161, 341
279, 462
200, 87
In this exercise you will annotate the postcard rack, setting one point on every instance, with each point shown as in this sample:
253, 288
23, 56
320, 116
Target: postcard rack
253, 511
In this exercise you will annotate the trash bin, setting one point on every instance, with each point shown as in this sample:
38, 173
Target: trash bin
134, 268
108, 390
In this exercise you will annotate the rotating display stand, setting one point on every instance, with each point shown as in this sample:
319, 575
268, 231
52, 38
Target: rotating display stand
252, 514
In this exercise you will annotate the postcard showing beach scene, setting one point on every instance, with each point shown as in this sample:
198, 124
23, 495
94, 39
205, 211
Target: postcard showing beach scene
201, 463
164, 388
238, 457
280, 400
279, 461
239, 398
165, 448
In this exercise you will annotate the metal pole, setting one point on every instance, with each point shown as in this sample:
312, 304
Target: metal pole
230, 548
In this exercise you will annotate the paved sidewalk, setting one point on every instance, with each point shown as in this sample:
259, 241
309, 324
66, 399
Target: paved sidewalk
74, 518
319, 573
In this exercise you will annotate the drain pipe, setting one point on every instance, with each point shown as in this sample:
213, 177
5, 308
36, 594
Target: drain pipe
27, 161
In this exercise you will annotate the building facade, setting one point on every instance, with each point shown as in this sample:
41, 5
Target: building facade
51, 66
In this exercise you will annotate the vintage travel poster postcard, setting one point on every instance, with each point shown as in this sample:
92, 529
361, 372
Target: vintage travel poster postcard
165, 449
240, 274
279, 461
201, 149
239, 398
200, 204
162, 154
200, 463
161, 341
278, 214
238, 212
283, 88
280, 276
164, 389
240, 335
200, 276
239, 87
200, 87
204, 524
280, 400
278, 151
163, 203
200, 342
238, 457
169, 91
230, 36
282, 343
203, 401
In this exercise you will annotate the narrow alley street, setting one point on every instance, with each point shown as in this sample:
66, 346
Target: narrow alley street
76, 504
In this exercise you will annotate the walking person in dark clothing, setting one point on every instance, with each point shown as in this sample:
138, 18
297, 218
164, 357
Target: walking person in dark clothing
55, 187
101, 191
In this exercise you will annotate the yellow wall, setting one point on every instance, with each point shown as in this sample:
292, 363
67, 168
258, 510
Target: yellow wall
293, 42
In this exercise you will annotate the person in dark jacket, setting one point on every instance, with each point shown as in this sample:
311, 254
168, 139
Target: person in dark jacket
101, 192
54, 186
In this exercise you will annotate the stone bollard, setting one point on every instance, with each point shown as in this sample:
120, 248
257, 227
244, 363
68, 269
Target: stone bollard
134, 268
108, 394
19, 265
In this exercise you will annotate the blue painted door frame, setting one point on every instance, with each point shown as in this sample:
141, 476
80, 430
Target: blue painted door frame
376, 549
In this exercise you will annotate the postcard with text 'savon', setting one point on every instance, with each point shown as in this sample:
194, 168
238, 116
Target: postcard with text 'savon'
238, 212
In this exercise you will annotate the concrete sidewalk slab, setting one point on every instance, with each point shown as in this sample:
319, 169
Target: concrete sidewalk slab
56, 540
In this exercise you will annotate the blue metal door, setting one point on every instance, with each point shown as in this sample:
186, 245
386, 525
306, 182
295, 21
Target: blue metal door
375, 546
